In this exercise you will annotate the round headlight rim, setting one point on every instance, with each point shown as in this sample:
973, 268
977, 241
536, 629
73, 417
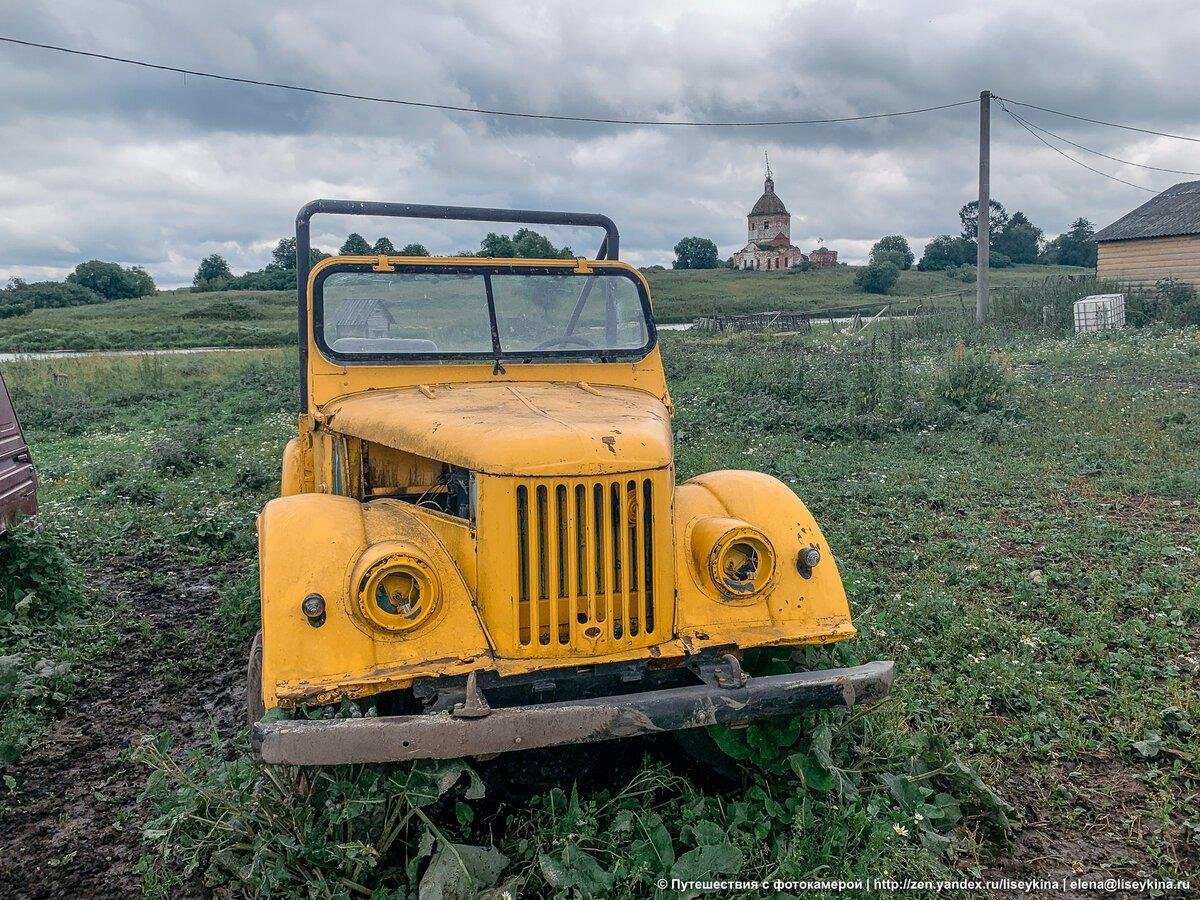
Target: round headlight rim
421, 573
719, 557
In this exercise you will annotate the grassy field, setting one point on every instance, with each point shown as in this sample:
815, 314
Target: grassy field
267, 318
1015, 521
681, 296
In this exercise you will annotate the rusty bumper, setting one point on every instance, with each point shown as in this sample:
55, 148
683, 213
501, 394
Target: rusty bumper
445, 736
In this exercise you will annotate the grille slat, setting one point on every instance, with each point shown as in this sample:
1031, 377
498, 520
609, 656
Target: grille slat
585, 563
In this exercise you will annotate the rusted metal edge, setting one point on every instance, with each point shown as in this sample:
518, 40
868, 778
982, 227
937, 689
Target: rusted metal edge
442, 736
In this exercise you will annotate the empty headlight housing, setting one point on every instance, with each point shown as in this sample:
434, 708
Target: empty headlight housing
398, 592
735, 557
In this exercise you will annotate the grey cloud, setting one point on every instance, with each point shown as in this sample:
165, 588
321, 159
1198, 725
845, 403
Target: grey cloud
150, 168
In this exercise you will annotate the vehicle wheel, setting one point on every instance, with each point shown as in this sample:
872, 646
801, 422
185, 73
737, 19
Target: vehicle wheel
699, 746
255, 708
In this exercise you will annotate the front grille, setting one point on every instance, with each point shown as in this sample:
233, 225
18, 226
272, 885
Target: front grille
585, 564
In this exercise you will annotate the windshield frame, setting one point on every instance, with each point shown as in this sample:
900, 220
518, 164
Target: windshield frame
450, 266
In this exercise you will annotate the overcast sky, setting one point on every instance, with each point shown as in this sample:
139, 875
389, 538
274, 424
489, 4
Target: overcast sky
106, 161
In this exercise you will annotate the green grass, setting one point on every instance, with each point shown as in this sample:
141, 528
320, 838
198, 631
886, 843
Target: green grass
681, 296
1026, 554
267, 318
174, 319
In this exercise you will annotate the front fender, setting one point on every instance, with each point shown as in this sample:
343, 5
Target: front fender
794, 609
312, 543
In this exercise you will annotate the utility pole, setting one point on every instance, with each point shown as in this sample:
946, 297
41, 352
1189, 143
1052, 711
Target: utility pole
983, 231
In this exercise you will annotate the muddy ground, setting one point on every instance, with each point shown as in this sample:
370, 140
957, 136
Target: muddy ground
73, 827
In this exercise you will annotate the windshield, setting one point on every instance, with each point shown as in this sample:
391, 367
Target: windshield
478, 312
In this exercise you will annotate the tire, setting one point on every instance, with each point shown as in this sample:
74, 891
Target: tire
255, 707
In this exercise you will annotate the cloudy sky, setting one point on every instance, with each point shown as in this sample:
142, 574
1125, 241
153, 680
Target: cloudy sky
107, 161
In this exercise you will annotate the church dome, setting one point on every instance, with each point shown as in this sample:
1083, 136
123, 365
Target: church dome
769, 203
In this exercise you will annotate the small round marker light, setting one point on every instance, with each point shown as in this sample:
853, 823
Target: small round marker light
806, 560
313, 608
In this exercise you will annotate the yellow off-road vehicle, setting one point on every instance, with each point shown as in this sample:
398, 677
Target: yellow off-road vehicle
480, 542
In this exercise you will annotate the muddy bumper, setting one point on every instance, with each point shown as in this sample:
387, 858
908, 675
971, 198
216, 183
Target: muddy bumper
445, 735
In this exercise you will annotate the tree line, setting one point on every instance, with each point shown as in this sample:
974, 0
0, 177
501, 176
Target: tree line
94, 281
1013, 240
214, 273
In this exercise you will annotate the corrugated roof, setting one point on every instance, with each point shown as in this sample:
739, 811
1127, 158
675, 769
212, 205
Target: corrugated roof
356, 311
1173, 212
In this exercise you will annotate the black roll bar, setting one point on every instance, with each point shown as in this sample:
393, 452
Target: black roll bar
609, 247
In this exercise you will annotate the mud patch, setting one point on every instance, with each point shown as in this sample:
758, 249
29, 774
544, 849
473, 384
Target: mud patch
72, 828
1096, 827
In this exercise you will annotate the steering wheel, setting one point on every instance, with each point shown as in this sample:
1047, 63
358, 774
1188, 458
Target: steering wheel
564, 341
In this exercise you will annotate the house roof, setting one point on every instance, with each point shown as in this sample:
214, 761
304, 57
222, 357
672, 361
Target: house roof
355, 311
1175, 211
769, 203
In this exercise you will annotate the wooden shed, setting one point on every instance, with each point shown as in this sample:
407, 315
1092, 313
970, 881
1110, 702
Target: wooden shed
1159, 239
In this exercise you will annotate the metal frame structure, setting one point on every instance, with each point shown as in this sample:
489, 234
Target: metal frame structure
609, 247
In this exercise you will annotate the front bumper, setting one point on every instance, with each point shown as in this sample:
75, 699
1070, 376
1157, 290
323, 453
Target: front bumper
446, 736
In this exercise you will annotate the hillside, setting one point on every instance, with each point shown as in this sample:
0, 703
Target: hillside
681, 296
267, 318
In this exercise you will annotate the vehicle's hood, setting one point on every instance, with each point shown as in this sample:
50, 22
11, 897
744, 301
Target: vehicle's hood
514, 428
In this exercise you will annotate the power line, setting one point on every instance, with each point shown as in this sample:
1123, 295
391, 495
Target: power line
1058, 112
469, 109
1117, 159
1021, 122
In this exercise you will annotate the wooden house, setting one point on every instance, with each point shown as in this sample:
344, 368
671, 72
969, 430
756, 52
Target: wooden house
1160, 239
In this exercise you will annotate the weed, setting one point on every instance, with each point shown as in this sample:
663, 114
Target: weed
181, 451
253, 830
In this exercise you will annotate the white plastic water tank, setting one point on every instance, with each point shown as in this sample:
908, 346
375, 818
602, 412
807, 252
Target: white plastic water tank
1099, 312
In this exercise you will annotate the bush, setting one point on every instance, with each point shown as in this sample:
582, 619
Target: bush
975, 381
112, 280
1178, 302
878, 277
181, 452
51, 294
225, 311
997, 260
10, 307
33, 571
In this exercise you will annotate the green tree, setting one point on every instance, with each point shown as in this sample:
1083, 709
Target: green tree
385, 246
284, 254
414, 250
212, 273
1020, 240
878, 277
695, 253
356, 245
969, 216
525, 244
1075, 247
897, 247
112, 280
946, 252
